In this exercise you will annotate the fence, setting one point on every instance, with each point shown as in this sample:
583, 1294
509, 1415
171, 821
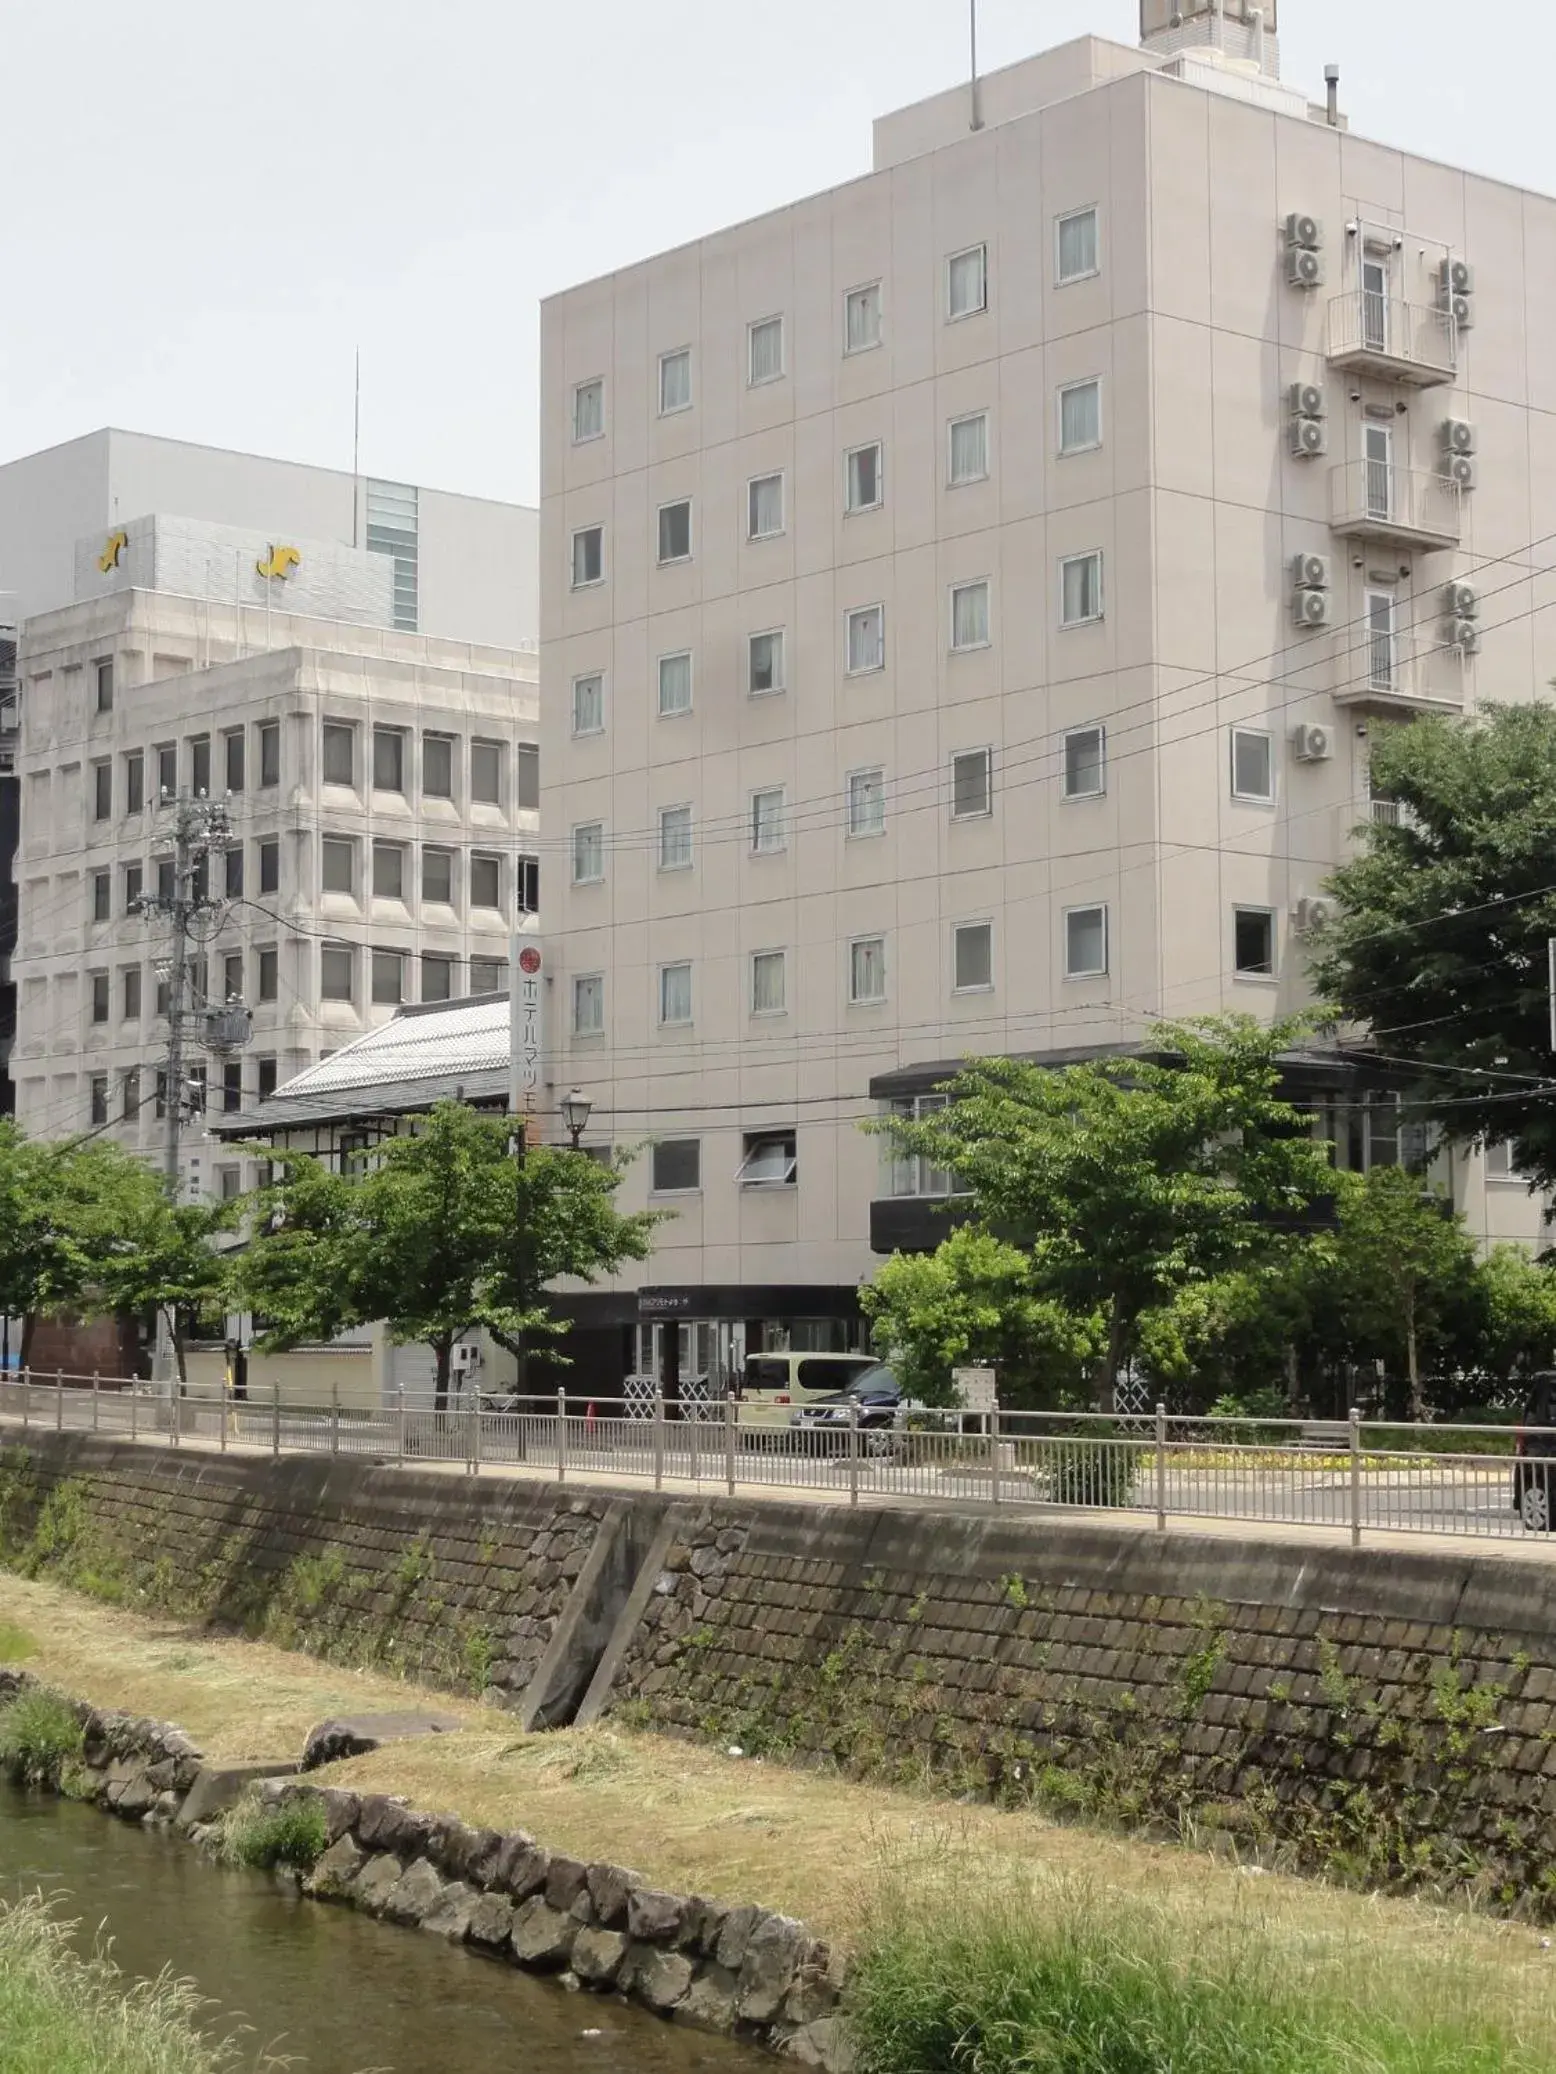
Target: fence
1351, 1476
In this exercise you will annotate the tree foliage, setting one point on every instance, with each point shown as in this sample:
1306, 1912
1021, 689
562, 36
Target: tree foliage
1399, 1263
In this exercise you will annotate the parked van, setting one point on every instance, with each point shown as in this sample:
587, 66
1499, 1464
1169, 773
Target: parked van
774, 1386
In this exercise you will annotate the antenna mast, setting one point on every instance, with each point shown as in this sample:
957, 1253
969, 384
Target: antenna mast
977, 103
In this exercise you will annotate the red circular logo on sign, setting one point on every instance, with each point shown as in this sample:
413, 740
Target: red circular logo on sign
529, 960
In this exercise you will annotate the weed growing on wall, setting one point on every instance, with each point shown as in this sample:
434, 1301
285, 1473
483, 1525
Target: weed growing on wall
263, 1835
39, 1737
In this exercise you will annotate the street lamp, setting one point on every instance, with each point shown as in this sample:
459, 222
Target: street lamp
575, 1114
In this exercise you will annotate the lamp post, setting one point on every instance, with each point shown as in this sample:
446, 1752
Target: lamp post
576, 1108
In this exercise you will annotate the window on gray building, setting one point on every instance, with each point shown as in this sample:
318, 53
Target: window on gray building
200, 766
102, 791
388, 977
130, 993
100, 997
167, 770
388, 871
102, 896
233, 759
270, 864
437, 977
134, 781
485, 881
486, 773
269, 752
393, 529
337, 972
104, 669
340, 753
527, 776
388, 759
526, 884
677, 1166
437, 766
437, 875
267, 974
337, 864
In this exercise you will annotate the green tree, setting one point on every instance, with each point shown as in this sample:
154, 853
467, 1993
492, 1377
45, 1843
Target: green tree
1401, 1262
445, 1232
1516, 1313
1440, 941
1128, 1179
164, 1259
973, 1303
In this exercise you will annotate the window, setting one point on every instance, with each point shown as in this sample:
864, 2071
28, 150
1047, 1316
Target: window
675, 381
105, 685
337, 972
340, 753
233, 759
526, 884
969, 449
675, 838
677, 1166
588, 556
768, 1160
437, 977
912, 1175
102, 791
270, 752
229, 1179
867, 970
232, 872
675, 531
388, 759
866, 639
437, 876
232, 1095
167, 771
270, 864
1253, 764
767, 821
972, 784
769, 982
267, 1076
134, 781
200, 766
1080, 589
764, 507
102, 896
675, 994
200, 876
130, 993
967, 283
589, 704
486, 882
969, 615
488, 975
764, 345
268, 960
1502, 1162
1382, 641
337, 864
864, 477
1085, 763
437, 766
99, 997
1080, 417
765, 663
588, 853
588, 411
98, 1098
1075, 239
972, 958
130, 1104
867, 802
388, 977
165, 878
232, 976
675, 685
160, 1108
388, 871
862, 318
486, 773
589, 1005
133, 879
164, 998
1253, 942
1085, 942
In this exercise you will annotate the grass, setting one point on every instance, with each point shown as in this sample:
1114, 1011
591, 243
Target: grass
261, 1835
16, 1645
63, 2014
39, 1735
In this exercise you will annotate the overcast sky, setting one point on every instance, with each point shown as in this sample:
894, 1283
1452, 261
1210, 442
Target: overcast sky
207, 207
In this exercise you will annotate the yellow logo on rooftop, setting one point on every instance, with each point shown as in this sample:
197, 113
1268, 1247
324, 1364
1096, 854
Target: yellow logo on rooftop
113, 547
278, 563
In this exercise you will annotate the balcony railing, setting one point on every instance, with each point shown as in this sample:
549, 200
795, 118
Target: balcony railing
1406, 669
1377, 334
1403, 507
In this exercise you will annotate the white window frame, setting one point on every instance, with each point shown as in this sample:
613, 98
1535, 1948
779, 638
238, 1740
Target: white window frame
781, 683
580, 981
587, 583
1270, 915
852, 833
958, 929
871, 345
592, 878
782, 956
868, 446
1088, 619
1377, 635
594, 381
763, 1140
973, 583
588, 677
850, 668
1088, 907
1090, 273
769, 849
1259, 734
678, 863
664, 561
1085, 446
673, 410
752, 483
1070, 734
678, 1022
977, 309
953, 426
868, 1000
760, 381
986, 811
663, 711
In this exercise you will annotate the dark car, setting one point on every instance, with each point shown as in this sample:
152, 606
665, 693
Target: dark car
1534, 1469
875, 1395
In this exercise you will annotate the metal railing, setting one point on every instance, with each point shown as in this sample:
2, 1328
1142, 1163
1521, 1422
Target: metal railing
1380, 500
1369, 328
1351, 1477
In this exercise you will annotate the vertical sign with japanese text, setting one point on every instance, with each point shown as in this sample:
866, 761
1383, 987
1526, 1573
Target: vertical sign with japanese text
529, 1025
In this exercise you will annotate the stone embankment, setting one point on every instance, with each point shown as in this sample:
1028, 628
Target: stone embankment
601, 1928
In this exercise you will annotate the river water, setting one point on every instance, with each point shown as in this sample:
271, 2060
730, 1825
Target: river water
334, 1991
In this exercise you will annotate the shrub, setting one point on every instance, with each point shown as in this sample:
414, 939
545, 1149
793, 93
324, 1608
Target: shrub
39, 1735
1094, 1470
264, 1834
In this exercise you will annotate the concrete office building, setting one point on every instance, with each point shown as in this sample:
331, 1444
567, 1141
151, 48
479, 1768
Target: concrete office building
966, 598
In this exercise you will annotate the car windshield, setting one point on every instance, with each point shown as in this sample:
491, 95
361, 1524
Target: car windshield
870, 1382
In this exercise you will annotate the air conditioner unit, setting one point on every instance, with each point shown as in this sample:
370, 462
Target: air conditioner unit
1461, 471
1311, 744
1456, 277
1303, 233
1307, 400
1304, 269
1457, 436
466, 1355
1461, 600
1312, 915
1309, 438
1310, 572
1464, 635
1310, 608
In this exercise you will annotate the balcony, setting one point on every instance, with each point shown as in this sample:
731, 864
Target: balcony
1409, 508
1397, 341
1385, 670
